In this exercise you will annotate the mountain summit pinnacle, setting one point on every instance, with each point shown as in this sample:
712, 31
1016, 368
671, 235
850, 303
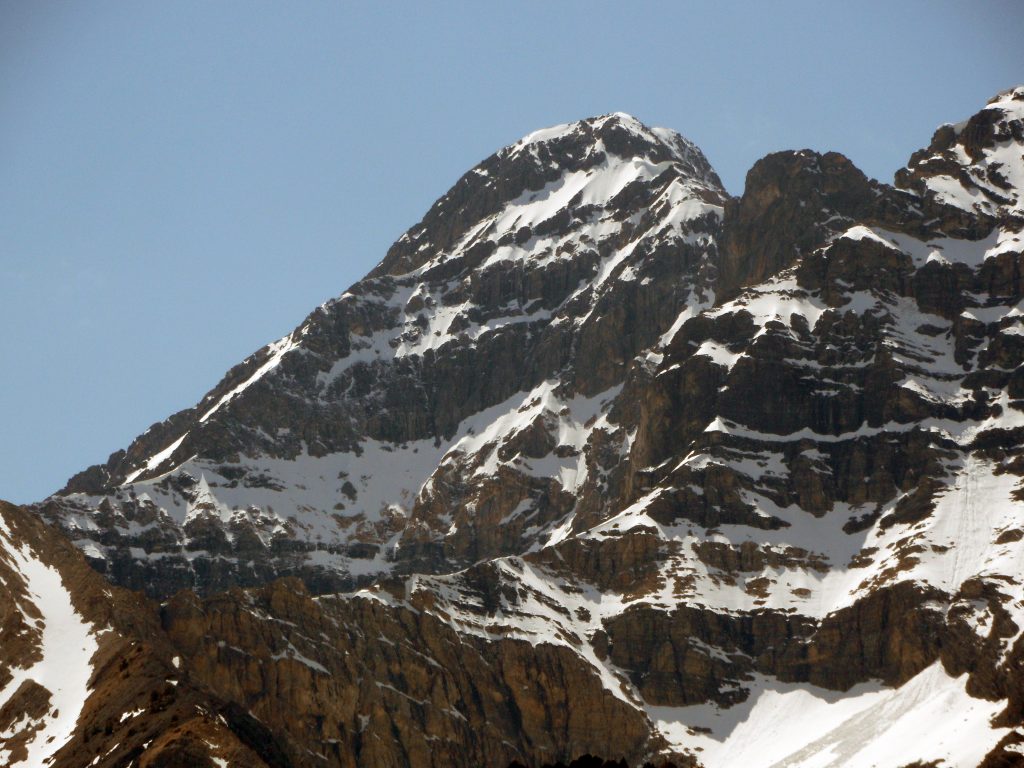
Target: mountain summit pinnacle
572, 166
618, 134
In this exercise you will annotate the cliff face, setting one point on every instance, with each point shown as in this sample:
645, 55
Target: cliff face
600, 460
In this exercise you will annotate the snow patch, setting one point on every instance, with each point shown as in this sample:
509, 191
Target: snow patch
785, 725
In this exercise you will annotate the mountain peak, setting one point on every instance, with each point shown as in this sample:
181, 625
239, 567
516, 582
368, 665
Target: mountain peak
602, 202
977, 165
1011, 98
619, 134
592, 125
605, 154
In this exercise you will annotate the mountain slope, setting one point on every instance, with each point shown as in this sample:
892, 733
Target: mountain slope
663, 466
87, 676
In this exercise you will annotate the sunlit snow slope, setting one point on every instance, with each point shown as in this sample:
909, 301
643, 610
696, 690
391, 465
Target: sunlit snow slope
58, 645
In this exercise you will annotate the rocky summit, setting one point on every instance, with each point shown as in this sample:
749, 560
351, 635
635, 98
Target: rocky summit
598, 460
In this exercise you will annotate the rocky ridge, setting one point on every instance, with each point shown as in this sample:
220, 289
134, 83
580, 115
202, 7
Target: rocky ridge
661, 466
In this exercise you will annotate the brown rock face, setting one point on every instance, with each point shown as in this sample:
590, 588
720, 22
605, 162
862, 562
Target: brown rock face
786, 202
378, 684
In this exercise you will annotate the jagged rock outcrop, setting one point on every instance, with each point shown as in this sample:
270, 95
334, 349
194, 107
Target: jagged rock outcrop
599, 459
369, 682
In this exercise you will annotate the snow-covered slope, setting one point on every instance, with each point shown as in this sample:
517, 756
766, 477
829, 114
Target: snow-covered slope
976, 165
703, 462
61, 645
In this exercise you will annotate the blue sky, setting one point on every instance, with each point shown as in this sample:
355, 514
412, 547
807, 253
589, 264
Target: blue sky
183, 182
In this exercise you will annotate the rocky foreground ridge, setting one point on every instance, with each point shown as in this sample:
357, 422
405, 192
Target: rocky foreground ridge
598, 459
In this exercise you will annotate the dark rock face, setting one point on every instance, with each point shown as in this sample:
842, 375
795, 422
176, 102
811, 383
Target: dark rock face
600, 460
369, 683
781, 213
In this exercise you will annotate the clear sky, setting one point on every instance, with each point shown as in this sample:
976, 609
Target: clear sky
183, 182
